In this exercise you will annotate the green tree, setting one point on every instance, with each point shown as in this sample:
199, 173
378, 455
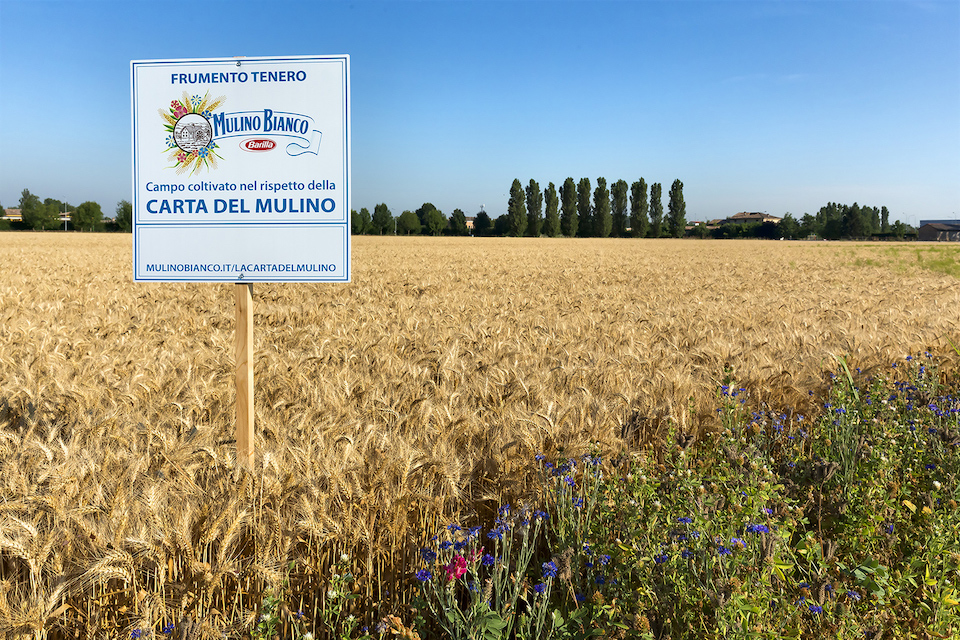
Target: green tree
639, 208
874, 221
436, 222
382, 222
482, 223
534, 209
618, 205
899, 229
656, 210
365, 219
123, 216
584, 210
458, 223
676, 210
35, 214
854, 225
88, 216
501, 226
602, 222
422, 212
789, 227
356, 223
408, 223
569, 220
884, 220
517, 210
551, 218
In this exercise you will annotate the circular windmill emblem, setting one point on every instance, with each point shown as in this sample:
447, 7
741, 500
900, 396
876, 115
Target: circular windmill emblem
192, 132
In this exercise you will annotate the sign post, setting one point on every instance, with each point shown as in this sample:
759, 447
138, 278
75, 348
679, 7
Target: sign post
244, 364
241, 174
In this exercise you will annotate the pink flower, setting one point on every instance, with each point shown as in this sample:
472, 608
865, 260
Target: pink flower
181, 156
456, 568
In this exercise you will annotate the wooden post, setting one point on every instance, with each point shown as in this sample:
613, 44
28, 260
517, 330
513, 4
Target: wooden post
244, 364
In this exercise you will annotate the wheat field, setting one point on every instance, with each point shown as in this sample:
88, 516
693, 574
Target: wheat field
419, 392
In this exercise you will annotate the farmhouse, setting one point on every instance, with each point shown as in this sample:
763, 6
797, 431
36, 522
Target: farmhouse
12, 214
745, 217
940, 232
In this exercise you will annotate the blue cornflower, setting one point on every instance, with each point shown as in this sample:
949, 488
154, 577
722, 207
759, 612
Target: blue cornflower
487, 560
686, 554
685, 520
570, 481
423, 575
549, 569
540, 587
446, 544
168, 628
661, 558
815, 609
853, 595
737, 542
495, 534
600, 580
604, 559
758, 528
541, 515
580, 597
136, 633
539, 457
723, 551
578, 503
453, 527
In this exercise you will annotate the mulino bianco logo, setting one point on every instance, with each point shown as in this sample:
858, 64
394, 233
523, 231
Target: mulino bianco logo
190, 141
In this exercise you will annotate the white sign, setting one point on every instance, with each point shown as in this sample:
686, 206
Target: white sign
241, 169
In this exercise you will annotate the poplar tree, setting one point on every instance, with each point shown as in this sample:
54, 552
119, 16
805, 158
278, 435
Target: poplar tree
517, 210
618, 202
584, 211
676, 210
656, 210
639, 208
534, 209
551, 220
569, 221
601, 210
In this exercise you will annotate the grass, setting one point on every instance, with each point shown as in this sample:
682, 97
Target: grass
416, 396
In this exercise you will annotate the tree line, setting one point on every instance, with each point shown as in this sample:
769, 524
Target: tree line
45, 215
834, 221
577, 209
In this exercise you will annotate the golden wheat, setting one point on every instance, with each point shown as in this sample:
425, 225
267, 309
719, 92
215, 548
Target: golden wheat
383, 407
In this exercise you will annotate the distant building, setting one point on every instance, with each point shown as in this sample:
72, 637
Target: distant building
745, 217
940, 232
12, 214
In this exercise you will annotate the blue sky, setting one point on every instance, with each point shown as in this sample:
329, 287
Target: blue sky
755, 106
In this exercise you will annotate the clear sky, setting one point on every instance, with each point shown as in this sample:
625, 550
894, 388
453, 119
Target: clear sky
755, 106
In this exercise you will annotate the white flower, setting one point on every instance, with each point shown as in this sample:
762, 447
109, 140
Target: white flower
344, 557
307, 636
936, 485
332, 594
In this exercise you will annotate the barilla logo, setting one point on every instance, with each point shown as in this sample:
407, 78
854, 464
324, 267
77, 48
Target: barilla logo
257, 144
